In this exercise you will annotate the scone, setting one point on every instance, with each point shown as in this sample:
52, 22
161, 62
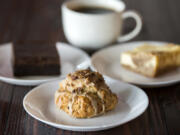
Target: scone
151, 60
84, 94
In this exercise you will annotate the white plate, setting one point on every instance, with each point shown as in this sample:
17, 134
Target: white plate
71, 58
132, 102
107, 62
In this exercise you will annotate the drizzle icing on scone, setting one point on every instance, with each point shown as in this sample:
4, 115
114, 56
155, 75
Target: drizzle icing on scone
84, 94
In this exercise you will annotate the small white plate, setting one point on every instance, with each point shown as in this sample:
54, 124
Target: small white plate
71, 58
107, 62
132, 102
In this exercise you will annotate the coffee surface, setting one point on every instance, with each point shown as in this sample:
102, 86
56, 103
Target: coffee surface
94, 10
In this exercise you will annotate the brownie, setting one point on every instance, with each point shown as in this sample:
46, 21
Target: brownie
35, 58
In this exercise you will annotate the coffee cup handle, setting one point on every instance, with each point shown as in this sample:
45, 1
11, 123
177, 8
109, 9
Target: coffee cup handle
136, 30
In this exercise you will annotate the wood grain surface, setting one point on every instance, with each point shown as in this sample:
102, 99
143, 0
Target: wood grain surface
41, 20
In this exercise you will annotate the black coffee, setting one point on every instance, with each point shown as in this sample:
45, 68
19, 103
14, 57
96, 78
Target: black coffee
93, 10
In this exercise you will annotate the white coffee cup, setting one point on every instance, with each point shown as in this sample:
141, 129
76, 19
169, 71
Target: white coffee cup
92, 31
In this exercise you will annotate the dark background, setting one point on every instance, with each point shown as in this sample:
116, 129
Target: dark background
41, 20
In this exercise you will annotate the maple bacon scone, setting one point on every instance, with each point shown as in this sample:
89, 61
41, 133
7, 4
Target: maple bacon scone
84, 94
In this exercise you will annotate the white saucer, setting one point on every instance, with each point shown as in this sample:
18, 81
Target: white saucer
71, 58
107, 62
132, 102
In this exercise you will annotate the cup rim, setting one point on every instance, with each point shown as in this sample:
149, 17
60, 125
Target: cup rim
65, 6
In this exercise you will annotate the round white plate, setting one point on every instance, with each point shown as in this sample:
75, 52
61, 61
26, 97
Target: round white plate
132, 102
107, 62
71, 59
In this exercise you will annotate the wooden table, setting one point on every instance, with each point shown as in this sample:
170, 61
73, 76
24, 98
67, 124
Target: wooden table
41, 20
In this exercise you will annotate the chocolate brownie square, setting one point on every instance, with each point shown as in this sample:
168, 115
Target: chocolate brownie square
35, 58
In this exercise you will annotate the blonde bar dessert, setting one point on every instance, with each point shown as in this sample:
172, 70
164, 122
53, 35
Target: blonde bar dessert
151, 60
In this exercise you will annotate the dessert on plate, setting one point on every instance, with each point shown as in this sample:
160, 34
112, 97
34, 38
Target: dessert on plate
35, 58
84, 94
151, 60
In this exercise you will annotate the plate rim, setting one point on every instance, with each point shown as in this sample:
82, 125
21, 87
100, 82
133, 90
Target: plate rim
85, 128
18, 81
149, 84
